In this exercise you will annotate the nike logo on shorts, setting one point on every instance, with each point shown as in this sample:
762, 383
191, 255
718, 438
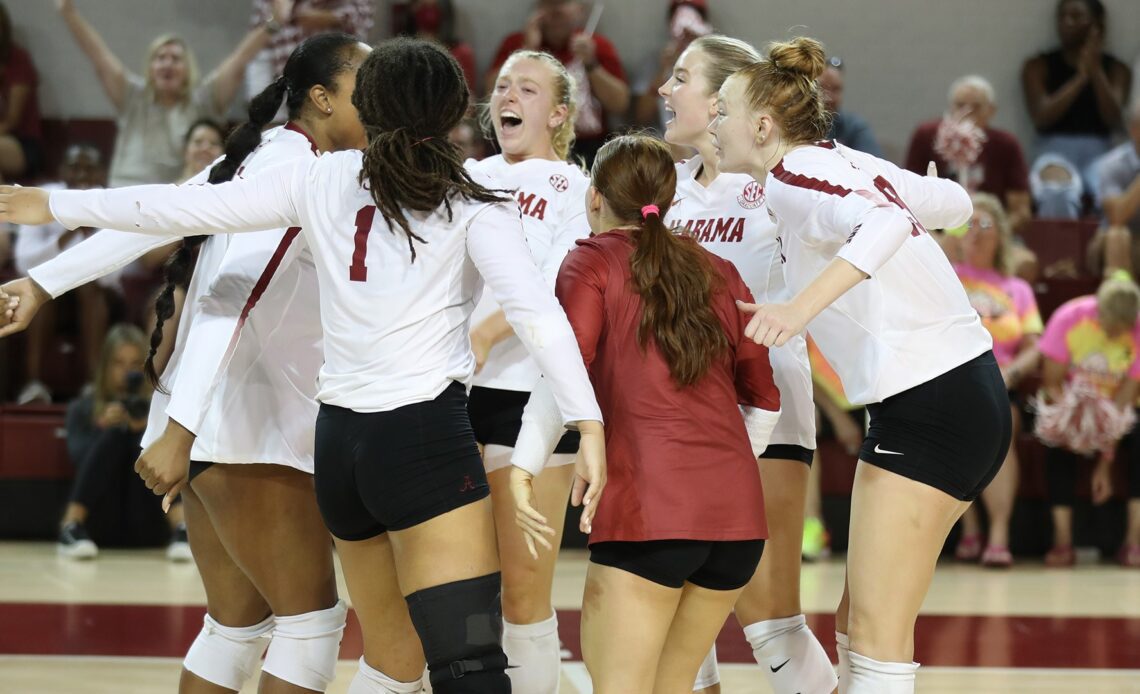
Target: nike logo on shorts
882, 450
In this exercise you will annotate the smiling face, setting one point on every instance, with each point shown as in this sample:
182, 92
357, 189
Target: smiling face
688, 100
203, 146
524, 109
170, 69
735, 128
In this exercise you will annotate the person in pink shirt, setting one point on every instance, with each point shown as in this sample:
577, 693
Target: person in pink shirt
1009, 311
1095, 339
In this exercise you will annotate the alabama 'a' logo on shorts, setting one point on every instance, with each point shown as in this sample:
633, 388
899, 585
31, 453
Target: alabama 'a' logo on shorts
559, 183
752, 196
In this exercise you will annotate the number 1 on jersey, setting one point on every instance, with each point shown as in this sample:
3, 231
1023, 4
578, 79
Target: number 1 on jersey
358, 272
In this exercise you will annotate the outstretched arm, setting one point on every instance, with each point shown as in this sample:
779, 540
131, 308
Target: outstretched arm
112, 75
262, 202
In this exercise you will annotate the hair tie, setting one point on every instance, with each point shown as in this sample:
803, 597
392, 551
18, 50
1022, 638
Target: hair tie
648, 210
418, 142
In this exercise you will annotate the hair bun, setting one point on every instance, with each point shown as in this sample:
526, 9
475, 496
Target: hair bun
801, 55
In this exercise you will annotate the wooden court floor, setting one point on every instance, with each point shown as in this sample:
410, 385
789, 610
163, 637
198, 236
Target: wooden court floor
120, 624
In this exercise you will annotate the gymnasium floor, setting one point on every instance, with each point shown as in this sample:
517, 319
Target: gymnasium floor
120, 624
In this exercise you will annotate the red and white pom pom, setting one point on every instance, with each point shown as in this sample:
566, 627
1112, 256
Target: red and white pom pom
959, 141
1082, 420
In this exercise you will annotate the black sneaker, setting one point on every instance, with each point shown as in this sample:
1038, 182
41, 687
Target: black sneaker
75, 543
179, 548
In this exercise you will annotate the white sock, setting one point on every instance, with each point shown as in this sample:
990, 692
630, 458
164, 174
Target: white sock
843, 648
791, 656
534, 655
369, 680
709, 674
870, 676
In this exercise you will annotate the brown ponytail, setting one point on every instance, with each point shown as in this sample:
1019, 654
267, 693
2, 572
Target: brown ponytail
671, 273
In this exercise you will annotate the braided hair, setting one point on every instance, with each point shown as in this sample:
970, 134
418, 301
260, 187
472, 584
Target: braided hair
410, 94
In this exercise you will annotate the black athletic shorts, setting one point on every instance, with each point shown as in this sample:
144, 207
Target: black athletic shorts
951, 433
496, 417
784, 451
197, 467
380, 471
716, 565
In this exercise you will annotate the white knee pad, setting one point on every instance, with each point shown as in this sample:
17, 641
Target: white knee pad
227, 656
304, 647
369, 680
709, 674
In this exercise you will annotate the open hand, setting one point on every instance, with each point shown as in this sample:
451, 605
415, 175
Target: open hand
533, 524
589, 473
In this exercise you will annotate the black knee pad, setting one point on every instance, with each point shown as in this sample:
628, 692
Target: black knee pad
461, 628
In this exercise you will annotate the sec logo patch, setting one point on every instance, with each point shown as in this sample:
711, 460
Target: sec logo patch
559, 182
752, 197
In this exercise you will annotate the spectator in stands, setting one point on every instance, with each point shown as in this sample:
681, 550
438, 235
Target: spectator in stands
556, 26
1118, 176
1008, 310
104, 431
81, 168
687, 20
999, 167
434, 20
846, 127
203, 143
467, 135
21, 146
1075, 93
155, 111
1095, 340
292, 21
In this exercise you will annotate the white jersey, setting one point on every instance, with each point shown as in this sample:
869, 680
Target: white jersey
395, 331
552, 197
244, 381
911, 321
730, 219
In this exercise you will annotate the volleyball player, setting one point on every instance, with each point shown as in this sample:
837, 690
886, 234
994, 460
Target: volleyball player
531, 115
726, 213
891, 317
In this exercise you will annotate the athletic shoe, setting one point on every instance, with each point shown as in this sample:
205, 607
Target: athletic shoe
969, 548
75, 543
179, 548
34, 392
997, 557
815, 541
1061, 556
1129, 555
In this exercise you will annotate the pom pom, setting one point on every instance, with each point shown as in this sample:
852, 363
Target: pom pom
959, 141
1082, 420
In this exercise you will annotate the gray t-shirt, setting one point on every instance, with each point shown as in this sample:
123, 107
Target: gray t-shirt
1116, 171
148, 148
